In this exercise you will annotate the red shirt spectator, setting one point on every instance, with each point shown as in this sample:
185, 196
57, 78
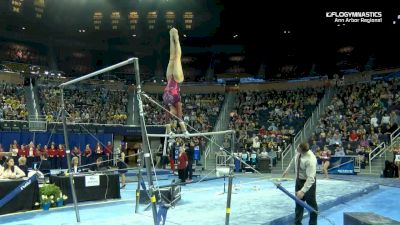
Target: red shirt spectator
37, 152
109, 149
262, 131
88, 151
44, 151
353, 136
23, 151
61, 151
182, 161
98, 149
31, 150
76, 152
15, 144
52, 152
14, 148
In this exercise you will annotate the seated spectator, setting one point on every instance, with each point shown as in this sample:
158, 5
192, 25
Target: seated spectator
12, 102
44, 165
361, 155
256, 143
314, 147
385, 119
22, 165
3, 155
10, 171
92, 103
122, 169
374, 121
264, 153
350, 150
273, 156
364, 105
353, 136
75, 164
76, 152
99, 166
339, 151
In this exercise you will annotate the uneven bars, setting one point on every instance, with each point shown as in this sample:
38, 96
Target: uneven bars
191, 135
121, 64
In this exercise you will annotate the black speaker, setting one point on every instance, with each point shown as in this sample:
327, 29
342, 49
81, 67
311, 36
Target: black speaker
264, 165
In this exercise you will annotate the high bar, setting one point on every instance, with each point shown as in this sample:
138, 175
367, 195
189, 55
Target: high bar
121, 64
192, 135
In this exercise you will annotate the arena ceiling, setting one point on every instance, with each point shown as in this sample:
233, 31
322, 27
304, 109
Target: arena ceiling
273, 31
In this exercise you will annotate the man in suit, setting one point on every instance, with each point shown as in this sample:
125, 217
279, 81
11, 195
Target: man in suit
305, 170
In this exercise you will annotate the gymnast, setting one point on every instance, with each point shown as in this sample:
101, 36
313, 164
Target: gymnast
171, 96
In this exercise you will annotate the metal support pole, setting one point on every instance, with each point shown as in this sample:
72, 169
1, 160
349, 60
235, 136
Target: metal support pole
68, 151
145, 146
224, 185
231, 174
139, 177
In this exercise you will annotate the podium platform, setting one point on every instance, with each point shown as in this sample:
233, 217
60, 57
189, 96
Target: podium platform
367, 218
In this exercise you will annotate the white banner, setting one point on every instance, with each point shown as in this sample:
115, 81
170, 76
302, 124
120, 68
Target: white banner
91, 181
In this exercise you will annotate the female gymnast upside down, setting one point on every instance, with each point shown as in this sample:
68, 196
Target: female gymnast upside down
171, 96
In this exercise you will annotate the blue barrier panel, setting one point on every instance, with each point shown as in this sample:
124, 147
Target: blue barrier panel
17, 190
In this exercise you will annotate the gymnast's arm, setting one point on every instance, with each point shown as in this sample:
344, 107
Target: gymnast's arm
18, 172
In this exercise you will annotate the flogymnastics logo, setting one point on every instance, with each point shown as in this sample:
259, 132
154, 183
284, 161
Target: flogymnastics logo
355, 17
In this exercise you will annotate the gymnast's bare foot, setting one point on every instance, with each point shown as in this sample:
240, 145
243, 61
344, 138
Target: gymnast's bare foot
172, 32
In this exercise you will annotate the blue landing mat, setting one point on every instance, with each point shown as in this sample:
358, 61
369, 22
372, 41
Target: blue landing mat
253, 202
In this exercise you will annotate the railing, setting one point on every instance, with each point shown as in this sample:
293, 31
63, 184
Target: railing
357, 165
311, 123
222, 160
382, 148
223, 119
82, 124
394, 135
37, 123
285, 153
35, 108
378, 151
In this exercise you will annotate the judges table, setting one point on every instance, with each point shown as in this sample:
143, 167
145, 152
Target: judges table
25, 200
89, 187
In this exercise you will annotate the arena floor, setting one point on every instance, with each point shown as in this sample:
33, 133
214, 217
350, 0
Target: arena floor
254, 201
